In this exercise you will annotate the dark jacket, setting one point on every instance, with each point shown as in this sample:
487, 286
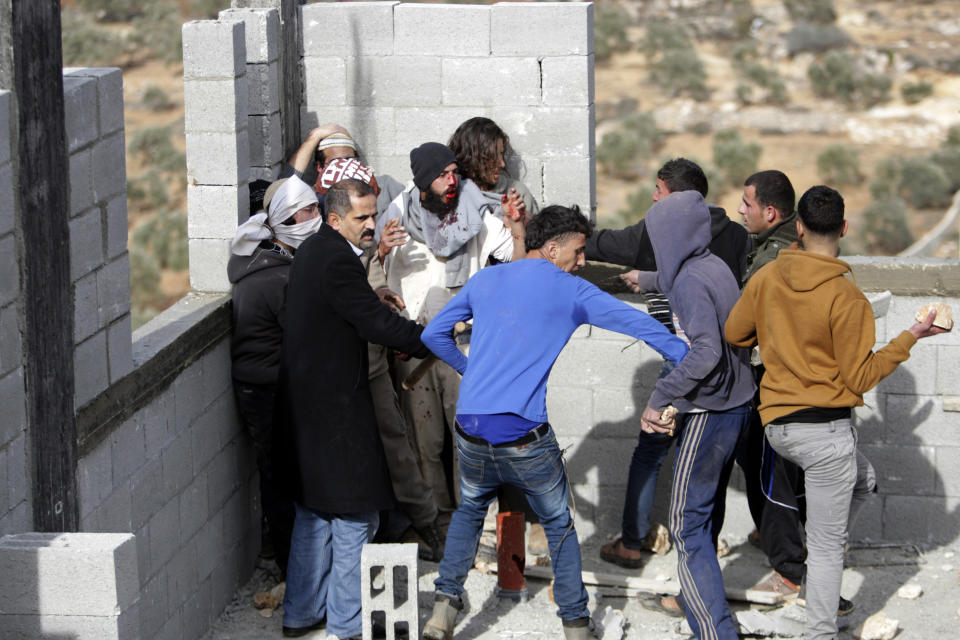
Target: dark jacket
631, 246
769, 243
713, 375
331, 315
259, 286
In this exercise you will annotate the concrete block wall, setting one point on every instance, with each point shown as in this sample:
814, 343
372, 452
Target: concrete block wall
909, 428
218, 135
397, 75
99, 262
179, 474
15, 512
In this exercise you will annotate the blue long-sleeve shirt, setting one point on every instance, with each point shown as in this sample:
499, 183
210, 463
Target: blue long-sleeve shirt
524, 313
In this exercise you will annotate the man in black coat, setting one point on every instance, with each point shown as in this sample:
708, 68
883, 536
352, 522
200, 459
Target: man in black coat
343, 480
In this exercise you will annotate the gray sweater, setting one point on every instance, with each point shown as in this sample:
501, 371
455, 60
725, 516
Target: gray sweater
702, 290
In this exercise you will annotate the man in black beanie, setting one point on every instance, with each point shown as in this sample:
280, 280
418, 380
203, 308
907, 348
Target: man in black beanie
433, 237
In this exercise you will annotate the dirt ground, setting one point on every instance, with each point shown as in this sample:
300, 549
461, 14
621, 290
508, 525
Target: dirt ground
872, 579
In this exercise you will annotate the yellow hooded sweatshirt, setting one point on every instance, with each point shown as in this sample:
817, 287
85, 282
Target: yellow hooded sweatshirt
816, 335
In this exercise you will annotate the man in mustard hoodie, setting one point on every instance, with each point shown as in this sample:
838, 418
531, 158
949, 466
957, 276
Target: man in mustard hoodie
815, 330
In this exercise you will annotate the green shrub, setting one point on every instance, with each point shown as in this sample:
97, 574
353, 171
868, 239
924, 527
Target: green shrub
681, 72
948, 159
156, 99
635, 209
206, 8
148, 191
144, 276
838, 77
953, 137
610, 31
159, 30
811, 11
767, 78
164, 237
885, 229
734, 159
816, 38
923, 184
662, 37
744, 93
839, 165
622, 153
111, 10
155, 147
87, 45
914, 92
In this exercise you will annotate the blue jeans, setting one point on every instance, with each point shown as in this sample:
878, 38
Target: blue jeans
705, 454
323, 573
537, 469
645, 465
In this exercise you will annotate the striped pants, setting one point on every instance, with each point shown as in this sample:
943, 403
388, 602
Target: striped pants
705, 455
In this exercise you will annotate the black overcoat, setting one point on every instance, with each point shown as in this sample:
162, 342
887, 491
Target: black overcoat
331, 315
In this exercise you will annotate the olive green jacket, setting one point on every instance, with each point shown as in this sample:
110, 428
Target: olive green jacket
769, 243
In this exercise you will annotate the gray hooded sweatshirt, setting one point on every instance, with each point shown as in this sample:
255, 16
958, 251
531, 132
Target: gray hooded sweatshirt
702, 290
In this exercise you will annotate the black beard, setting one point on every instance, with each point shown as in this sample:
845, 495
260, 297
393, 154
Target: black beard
437, 205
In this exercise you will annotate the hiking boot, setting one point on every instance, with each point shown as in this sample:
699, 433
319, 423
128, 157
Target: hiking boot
578, 629
776, 583
444, 618
537, 543
432, 547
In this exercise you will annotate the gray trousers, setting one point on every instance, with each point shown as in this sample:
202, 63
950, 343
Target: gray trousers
838, 481
409, 486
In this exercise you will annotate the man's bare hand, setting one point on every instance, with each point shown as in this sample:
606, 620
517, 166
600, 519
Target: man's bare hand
650, 422
926, 329
391, 299
630, 279
514, 209
393, 235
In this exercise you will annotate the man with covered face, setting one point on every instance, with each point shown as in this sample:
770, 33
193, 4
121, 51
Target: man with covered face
436, 234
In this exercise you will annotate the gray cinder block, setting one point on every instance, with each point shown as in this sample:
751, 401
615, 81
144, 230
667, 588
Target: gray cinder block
372, 128
261, 32
9, 270
416, 125
69, 574
570, 181
263, 88
387, 558
109, 167
218, 105
115, 213
128, 451
547, 131
218, 158
455, 30
193, 507
336, 26
213, 49
208, 262
266, 147
90, 368
568, 81
5, 129
113, 287
86, 243
491, 81
109, 88
120, 348
541, 29
80, 107
215, 211
81, 181
11, 346
401, 81
6, 197
324, 81
95, 475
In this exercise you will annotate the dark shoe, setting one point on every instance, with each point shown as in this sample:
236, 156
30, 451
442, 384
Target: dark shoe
432, 547
618, 554
578, 629
296, 632
846, 607
655, 602
777, 584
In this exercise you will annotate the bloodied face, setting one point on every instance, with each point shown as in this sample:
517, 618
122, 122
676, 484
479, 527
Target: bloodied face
444, 192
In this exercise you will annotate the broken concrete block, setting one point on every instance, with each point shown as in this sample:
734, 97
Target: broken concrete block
657, 540
879, 627
778, 623
910, 591
610, 625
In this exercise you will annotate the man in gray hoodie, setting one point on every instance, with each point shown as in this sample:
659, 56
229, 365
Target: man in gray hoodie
712, 388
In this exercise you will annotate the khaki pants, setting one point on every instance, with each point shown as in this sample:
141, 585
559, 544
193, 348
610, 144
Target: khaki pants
431, 407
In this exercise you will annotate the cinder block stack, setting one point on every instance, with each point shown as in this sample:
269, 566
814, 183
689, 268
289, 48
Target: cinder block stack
99, 263
388, 589
397, 75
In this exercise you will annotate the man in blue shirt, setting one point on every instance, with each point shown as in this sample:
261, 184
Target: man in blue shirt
524, 313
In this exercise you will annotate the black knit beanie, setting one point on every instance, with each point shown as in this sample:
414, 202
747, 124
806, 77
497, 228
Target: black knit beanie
428, 161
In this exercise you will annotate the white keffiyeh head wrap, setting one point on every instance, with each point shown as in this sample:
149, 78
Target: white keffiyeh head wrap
294, 194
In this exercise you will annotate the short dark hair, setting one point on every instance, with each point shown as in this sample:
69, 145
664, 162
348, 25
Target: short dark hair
821, 210
773, 189
337, 198
474, 144
681, 174
555, 223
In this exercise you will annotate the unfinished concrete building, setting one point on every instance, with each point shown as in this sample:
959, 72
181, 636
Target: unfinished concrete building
133, 436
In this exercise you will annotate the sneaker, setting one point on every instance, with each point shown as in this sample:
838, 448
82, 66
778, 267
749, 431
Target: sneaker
776, 583
846, 607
